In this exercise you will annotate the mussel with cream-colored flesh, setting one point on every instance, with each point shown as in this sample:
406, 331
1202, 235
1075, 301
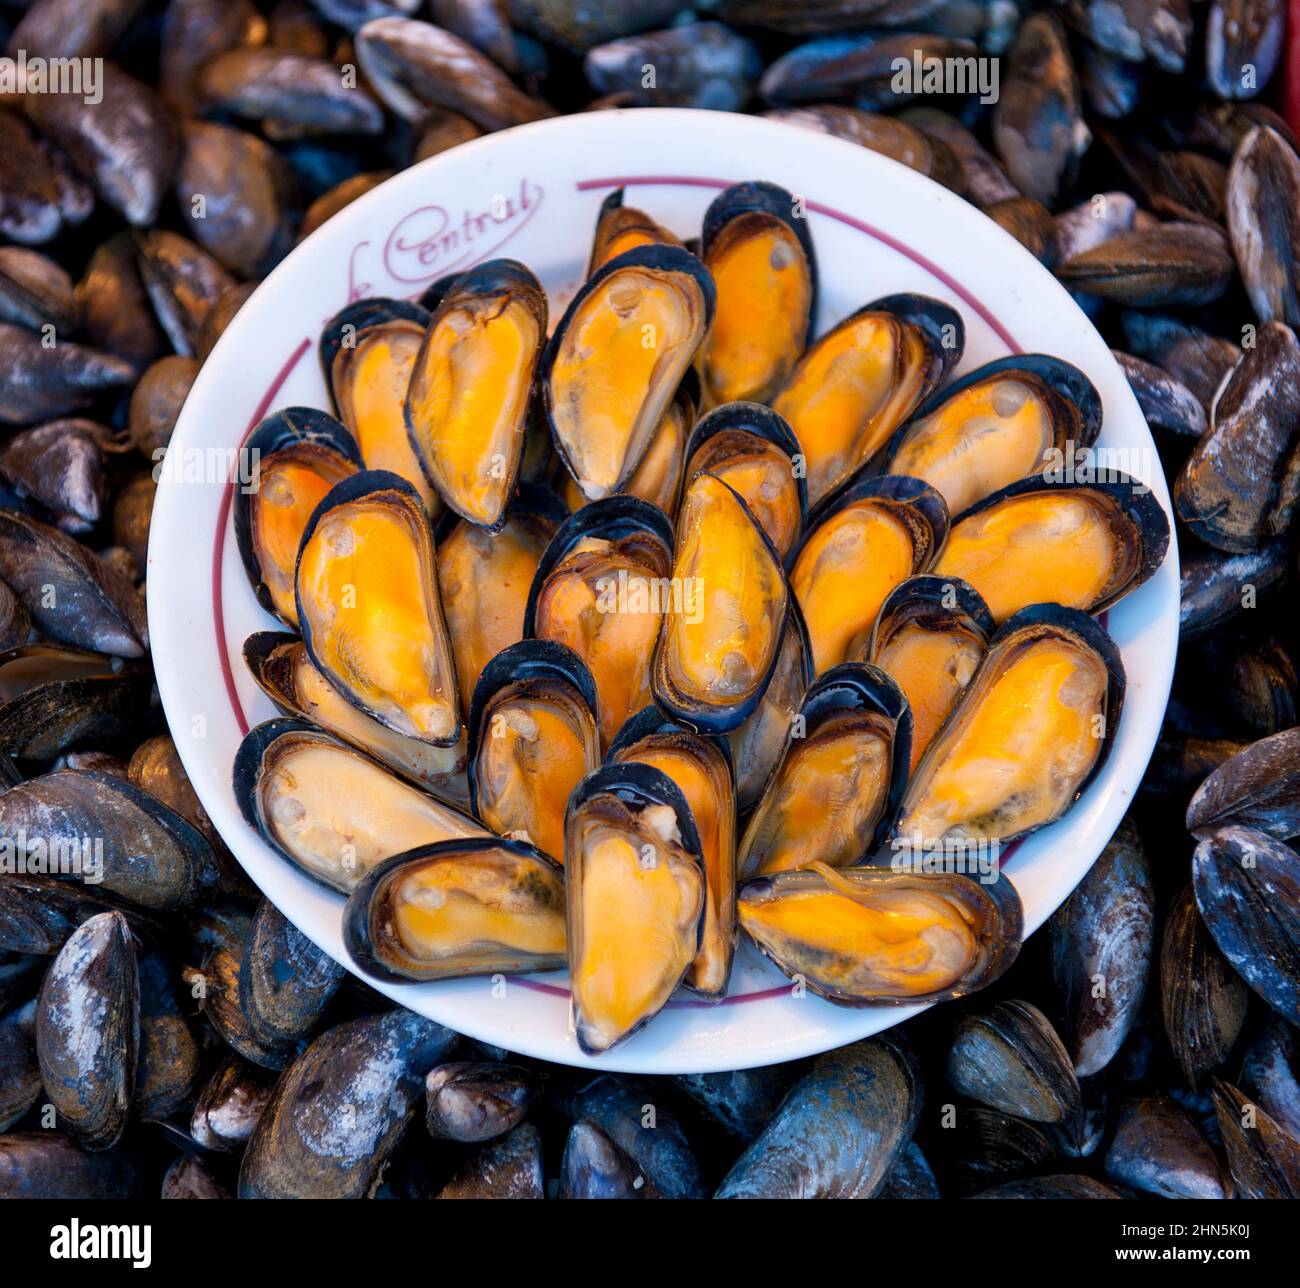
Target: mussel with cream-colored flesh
842, 772
1082, 545
863, 378
701, 768
1007, 420
865, 541
330, 809
301, 453
756, 745
1029, 733
484, 577
600, 589
620, 227
755, 453
369, 608
757, 246
369, 375
871, 936
930, 636
715, 656
532, 739
617, 358
480, 906
468, 399
634, 875
285, 673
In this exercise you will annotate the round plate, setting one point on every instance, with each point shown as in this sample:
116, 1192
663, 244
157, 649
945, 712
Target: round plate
532, 193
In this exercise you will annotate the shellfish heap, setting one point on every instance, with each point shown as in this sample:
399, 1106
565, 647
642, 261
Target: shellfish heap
612, 640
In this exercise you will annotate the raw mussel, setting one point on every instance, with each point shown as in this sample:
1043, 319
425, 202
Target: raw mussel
864, 541
701, 768
1030, 732
620, 227
370, 611
1006, 420
301, 454
617, 357
1084, 544
532, 738
480, 906
840, 778
757, 246
330, 809
871, 936
634, 874
469, 393
858, 383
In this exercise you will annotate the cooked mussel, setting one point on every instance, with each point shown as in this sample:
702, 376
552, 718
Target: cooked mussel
373, 350
1031, 730
532, 739
330, 809
620, 227
469, 391
1083, 545
301, 454
484, 577
930, 636
840, 778
634, 873
858, 383
873, 535
715, 656
755, 453
757, 246
478, 906
756, 745
369, 607
617, 358
701, 768
1002, 422
279, 663
602, 589
872, 936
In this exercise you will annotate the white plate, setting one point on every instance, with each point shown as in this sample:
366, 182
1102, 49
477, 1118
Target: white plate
532, 193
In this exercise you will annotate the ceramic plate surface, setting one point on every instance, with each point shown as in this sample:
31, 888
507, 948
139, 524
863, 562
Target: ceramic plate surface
532, 193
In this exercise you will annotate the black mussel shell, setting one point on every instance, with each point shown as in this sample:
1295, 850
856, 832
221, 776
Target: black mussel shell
361, 314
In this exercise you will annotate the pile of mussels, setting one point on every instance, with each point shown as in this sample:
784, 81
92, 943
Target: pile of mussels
165, 1029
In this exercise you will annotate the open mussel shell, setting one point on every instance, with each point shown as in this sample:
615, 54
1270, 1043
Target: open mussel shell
718, 647
533, 737
617, 357
757, 246
872, 936
485, 576
755, 453
620, 227
1247, 887
278, 661
1004, 421
701, 767
837, 786
756, 745
1030, 732
468, 399
930, 636
301, 454
1084, 544
328, 808
479, 906
861, 380
597, 590
861, 543
634, 873
369, 607
341, 331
